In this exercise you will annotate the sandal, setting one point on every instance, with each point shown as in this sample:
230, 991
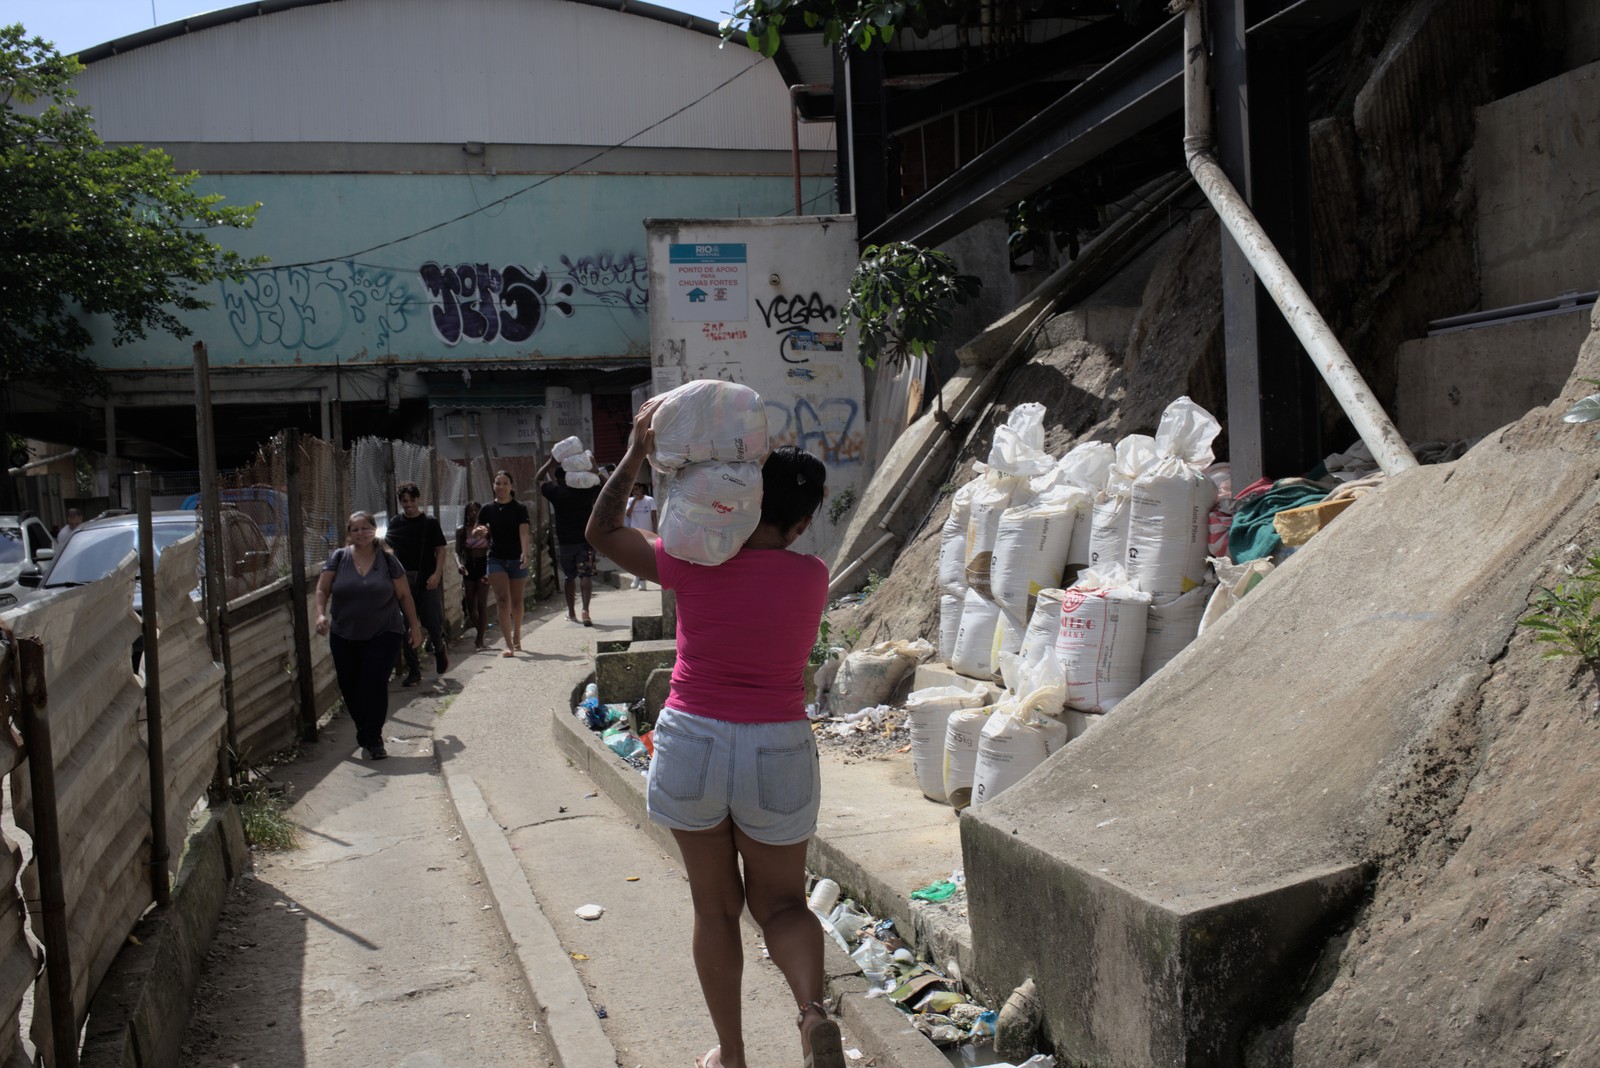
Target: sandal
822, 1039
705, 1062
507, 653
587, 621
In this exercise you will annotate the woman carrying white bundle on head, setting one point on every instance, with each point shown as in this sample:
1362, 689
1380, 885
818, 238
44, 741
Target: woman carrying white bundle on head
735, 774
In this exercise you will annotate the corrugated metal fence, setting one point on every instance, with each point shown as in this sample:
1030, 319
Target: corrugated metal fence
82, 703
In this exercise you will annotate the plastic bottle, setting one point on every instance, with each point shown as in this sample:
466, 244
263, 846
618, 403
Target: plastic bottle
824, 895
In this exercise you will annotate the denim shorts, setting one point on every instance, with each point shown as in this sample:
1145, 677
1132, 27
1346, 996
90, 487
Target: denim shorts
765, 775
508, 568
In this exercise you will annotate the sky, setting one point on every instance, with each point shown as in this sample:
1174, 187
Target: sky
73, 25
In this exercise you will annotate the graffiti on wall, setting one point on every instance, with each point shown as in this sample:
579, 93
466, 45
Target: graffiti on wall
619, 281
475, 302
299, 308
794, 319
826, 429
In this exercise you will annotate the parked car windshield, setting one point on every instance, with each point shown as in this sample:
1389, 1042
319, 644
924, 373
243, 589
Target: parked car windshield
93, 553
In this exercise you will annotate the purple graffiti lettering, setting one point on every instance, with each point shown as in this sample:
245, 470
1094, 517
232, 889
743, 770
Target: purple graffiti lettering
482, 304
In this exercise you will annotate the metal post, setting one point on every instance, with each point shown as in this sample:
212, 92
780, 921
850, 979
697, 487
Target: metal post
160, 852
46, 830
340, 504
214, 588
389, 501
1332, 362
297, 587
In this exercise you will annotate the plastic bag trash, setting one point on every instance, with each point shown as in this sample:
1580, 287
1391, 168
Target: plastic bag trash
940, 891
873, 958
589, 912
848, 918
622, 742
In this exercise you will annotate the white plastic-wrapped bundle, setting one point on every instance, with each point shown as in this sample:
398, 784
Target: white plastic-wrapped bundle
1171, 625
565, 449
706, 420
583, 479
975, 638
1030, 553
961, 754
1108, 533
950, 605
1170, 504
928, 715
709, 511
1101, 642
953, 539
578, 461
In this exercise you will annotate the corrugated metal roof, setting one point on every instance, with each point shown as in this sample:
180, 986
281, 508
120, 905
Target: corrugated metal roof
557, 72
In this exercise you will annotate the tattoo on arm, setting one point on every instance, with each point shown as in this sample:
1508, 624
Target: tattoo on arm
608, 507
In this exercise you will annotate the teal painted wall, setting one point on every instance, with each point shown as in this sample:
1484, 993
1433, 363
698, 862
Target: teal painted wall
556, 271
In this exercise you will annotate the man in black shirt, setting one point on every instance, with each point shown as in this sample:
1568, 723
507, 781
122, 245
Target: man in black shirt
570, 508
418, 543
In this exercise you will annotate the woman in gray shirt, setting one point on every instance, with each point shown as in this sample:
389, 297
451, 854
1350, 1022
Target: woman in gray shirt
372, 613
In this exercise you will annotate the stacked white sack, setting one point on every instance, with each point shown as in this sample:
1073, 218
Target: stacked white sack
1016, 456
1101, 642
1044, 630
1018, 737
961, 754
709, 511
565, 449
1031, 550
1087, 466
1171, 625
1170, 505
952, 575
928, 716
1108, 534
707, 420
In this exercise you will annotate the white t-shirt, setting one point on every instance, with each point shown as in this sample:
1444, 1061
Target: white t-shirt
641, 511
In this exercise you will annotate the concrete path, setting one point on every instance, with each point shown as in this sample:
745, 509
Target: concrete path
576, 847
429, 918
375, 943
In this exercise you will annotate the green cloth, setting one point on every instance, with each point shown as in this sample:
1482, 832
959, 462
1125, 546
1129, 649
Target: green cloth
1252, 535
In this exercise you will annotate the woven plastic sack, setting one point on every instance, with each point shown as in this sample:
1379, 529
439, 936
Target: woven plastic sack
1170, 502
1108, 531
1101, 644
709, 511
867, 677
583, 479
578, 461
709, 420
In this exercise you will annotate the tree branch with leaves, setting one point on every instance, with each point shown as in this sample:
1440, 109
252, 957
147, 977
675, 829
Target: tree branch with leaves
91, 230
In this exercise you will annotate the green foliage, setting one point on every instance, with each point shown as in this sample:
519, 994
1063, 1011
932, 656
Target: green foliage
862, 23
903, 300
841, 503
86, 229
1587, 410
1565, 617
263, 804
819, 648
874, 580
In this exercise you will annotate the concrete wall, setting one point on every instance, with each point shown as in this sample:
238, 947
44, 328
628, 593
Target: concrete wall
1538, 165
555, 272
778, 333
1465, 384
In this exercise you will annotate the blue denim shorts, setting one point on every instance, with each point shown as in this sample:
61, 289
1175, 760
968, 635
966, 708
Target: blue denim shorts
508, 568
765, 775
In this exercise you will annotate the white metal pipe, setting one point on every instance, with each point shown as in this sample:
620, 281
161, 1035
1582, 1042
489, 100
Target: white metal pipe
45, 462
1389, 449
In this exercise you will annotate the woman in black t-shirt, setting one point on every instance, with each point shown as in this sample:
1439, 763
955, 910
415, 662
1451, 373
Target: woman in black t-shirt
507, 520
